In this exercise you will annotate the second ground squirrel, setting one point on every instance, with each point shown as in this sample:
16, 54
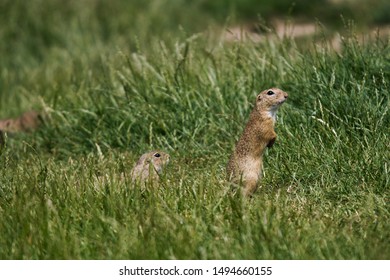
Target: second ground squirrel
246, 162
149, 167
28, 121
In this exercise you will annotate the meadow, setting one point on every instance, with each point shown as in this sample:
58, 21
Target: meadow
119, 78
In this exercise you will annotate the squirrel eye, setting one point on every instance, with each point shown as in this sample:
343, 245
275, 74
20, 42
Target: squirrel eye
270, 92
157, 155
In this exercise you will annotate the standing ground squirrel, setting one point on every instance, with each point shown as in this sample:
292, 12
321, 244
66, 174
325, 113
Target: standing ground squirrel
246, 162
149, 167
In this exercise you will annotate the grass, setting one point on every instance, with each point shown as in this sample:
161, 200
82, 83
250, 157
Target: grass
122, 79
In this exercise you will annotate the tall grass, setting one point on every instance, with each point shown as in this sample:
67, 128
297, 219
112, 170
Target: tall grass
115, 91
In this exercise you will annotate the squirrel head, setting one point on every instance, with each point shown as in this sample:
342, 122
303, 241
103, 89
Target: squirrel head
269, 100
157, 158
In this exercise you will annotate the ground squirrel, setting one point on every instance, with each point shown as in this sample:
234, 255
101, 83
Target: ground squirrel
149, 167
28, 121
245, 164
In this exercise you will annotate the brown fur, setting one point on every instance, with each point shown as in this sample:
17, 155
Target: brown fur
246, 162
28, 121
149, 167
